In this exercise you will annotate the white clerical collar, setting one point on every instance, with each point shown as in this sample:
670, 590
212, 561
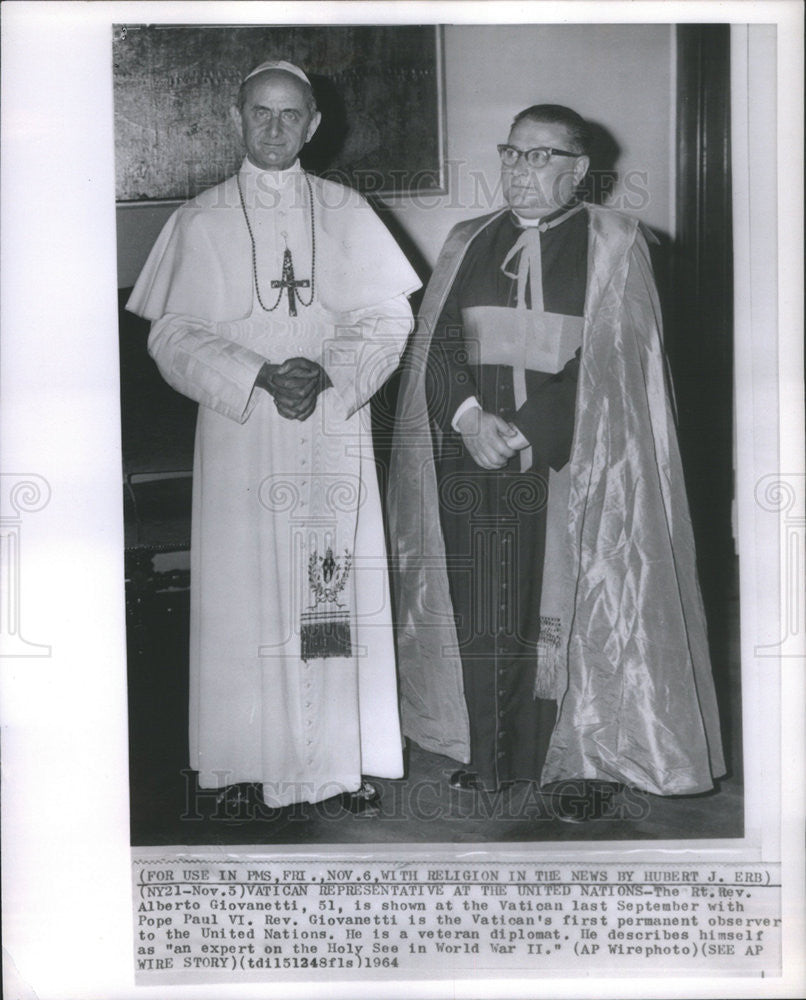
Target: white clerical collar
272, 177
551, 220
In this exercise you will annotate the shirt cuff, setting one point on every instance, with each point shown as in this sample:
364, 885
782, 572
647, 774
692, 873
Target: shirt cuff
519, 441
471, 403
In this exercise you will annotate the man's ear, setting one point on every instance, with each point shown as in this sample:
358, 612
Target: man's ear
235, 118
313, 125
581, 167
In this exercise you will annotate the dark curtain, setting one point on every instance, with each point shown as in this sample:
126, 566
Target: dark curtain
700, 340
699, 303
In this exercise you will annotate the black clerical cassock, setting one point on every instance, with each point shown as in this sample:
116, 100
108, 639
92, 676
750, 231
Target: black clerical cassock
508, 335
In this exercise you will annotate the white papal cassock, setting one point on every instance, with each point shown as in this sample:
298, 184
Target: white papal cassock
287, 530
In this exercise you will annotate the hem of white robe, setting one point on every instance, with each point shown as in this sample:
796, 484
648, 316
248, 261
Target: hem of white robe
287, 792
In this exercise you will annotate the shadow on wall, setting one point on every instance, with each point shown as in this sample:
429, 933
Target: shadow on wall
598, 188
333, 130
325, 146
602, 176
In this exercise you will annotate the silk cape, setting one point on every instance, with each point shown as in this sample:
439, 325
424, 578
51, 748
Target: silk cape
637, 702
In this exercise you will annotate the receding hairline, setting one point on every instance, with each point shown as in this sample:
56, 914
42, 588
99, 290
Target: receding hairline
576, 127
305, 88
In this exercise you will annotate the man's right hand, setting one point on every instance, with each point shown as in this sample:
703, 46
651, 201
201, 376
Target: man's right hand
485, 437
294, 385
265, 377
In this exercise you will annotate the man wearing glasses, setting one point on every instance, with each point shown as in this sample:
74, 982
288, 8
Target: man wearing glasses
550, 623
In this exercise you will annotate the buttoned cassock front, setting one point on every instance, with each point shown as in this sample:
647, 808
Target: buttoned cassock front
270, 492
521, 364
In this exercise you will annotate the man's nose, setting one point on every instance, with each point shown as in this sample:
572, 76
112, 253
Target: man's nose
275, 125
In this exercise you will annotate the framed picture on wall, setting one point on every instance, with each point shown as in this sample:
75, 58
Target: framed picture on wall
174, 86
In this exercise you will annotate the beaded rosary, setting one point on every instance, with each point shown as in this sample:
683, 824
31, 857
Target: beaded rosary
286, 282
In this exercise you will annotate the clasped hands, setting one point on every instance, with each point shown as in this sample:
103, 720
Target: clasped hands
294, 385
490, 439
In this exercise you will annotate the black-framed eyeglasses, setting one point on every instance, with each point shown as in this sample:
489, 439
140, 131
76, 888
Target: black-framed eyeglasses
537, 157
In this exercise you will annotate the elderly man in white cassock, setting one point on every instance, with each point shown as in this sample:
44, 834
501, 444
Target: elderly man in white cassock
278, 302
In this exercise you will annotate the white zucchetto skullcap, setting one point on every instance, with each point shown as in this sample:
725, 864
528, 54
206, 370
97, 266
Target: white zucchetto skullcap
281, 64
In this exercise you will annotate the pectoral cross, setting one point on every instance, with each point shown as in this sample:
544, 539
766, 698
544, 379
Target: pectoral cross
287, 281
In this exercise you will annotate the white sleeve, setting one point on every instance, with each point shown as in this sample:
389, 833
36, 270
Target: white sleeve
471, 403
196, 361
365, 349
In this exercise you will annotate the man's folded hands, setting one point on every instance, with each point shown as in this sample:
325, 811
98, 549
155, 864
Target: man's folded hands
294, 385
